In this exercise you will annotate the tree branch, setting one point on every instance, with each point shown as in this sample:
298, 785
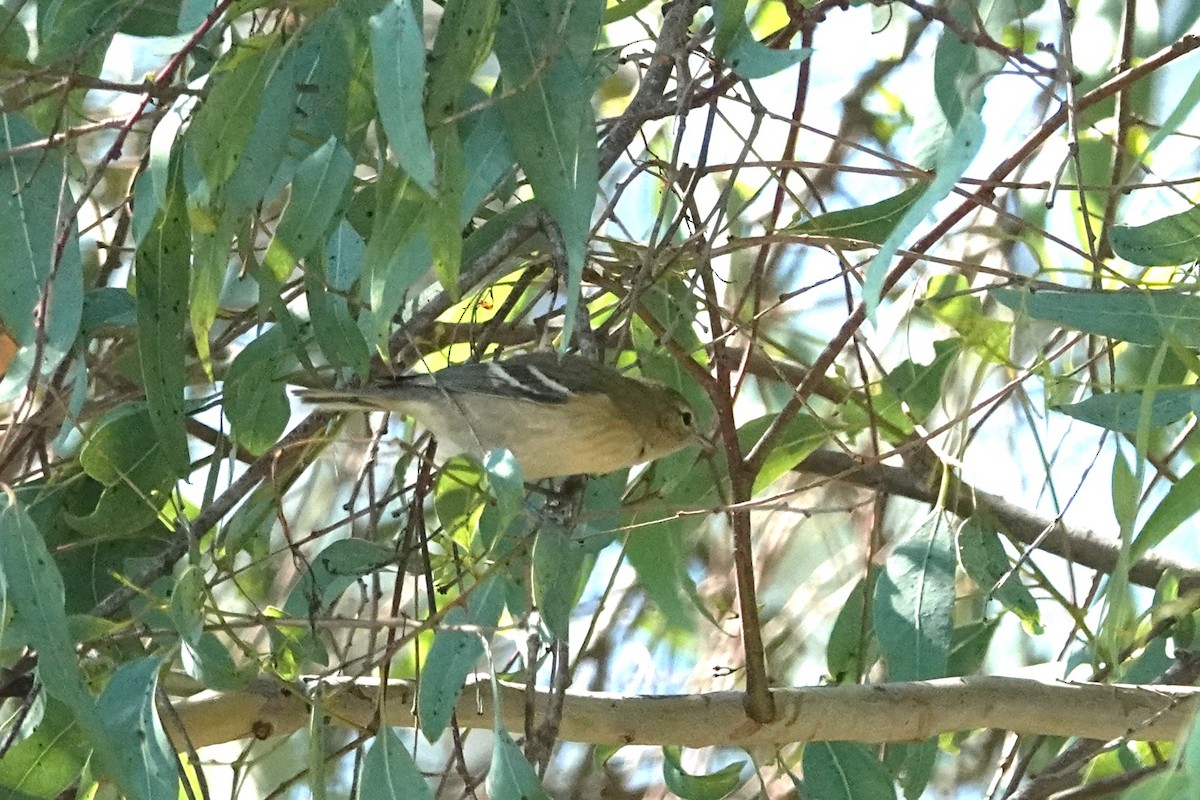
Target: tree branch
896, 712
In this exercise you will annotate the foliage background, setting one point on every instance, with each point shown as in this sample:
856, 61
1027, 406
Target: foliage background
924, 269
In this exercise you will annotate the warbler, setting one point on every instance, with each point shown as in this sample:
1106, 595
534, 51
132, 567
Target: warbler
557, 414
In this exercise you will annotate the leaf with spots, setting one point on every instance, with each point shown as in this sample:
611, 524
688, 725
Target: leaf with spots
162, 266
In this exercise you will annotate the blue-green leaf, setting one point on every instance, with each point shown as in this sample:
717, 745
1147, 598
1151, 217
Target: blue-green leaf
548, 115
33, 198
983, 559
746, 56
1164, 242
162, 266
255, 399
558, 567
1147, 318
32, 587
958, 151
332, 571
1123, 411
453, 657
135, 751
845, 771
511, 777
221, 130
389, 771
398, 47
464, 40
913, 600
317, 193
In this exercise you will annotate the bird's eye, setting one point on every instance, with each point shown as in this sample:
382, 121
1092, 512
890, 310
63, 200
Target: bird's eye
686, 416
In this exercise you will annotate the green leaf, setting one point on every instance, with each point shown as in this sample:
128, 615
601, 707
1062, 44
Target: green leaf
69, 27
913, 600
256, 402
845, 771
332, 571
221, 130
346, 251
398, 47
48, 760
162, 266
335, 330
918, 767
1180, 504
658, 556
1164, 242
919, 386
851, 637
33, 199
135, 752
956, 154
546, 65
511, 777
389, 771
485, 147
1123, 411
187, 603
32, 587
983, 559
712, 786
396, 257
121, 450
208, 661
747, 56
464, 40
969, 645
1148, 318
147, 17
317, 193
453, 657
559, 564
870, 223
210, 264
801, 436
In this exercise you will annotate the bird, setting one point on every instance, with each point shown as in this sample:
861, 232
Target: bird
557, 414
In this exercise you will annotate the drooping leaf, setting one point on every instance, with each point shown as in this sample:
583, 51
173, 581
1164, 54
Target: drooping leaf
559, 563
221, 129
454, 655
135, 751
511, 777
33, 589
48, 760
1180, 504
851, 638
983, 559
913, 600
957, 152
389, 771
317, 191
747, 56
162, 266
41, 285
545, 63
464, 40
255, 399
398, 47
